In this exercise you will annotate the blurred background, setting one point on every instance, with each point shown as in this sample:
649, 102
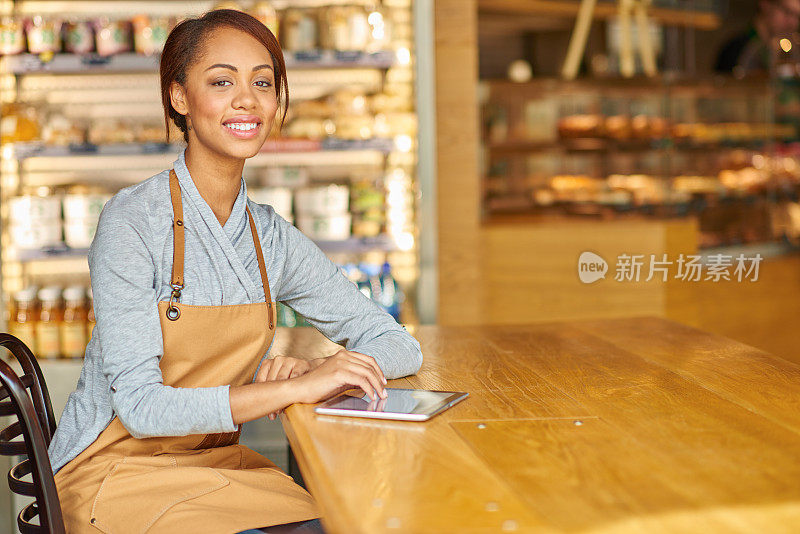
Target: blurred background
453, 157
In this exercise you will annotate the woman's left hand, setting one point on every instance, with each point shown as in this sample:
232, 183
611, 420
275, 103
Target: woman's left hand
284, 368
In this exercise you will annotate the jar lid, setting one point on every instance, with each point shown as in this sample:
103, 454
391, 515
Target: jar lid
50, 294
75, 293
26, 295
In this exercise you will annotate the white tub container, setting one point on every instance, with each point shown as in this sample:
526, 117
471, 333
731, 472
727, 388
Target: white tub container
280, 198
325, 227
79, 233
41, 234
326, 200
29, 209
84, 206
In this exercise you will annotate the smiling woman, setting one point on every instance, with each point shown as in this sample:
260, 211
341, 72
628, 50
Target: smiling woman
183, 48
185, 272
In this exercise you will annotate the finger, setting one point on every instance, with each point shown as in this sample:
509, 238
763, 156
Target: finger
285, 372
263, 371
369, 373
275, 369
371, 362
358, 379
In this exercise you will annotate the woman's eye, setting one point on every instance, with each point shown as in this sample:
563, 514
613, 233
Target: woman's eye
220, 83
263, 83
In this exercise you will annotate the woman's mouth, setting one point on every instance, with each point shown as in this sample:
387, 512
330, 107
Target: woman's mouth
243, 129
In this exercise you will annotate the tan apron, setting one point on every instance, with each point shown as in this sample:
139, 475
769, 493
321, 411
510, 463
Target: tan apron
197, 483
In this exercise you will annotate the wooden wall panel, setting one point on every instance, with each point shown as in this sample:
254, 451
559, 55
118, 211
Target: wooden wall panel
458, 178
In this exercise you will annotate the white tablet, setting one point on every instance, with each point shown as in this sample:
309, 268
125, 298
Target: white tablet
402, 404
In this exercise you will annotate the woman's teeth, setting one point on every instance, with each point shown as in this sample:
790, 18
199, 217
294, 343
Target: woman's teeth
243, 126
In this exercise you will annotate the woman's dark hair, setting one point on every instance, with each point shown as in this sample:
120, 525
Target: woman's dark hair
186, 41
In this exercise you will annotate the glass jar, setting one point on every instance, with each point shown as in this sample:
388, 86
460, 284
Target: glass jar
12, 36
268, 16
23, 317
73, 327
51, 315
44, 35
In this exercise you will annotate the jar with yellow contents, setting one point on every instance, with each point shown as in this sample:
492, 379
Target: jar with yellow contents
73, 327
48, 328
23, 317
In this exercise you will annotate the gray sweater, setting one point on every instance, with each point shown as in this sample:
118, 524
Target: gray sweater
130, 263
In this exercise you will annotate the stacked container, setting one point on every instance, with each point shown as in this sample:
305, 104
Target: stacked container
323, 213
35, 221
82, 207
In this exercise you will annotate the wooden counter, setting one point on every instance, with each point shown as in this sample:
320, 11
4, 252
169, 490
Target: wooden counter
623, 425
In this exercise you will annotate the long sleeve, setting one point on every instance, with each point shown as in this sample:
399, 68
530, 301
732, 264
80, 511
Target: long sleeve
315, 287
123, 281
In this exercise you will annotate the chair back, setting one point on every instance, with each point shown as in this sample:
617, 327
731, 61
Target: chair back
26, 399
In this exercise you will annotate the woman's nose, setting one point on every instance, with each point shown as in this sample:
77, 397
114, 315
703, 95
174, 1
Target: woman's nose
244, 97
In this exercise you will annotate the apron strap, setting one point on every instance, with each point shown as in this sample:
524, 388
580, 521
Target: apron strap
179, 244
261, 266
178, 232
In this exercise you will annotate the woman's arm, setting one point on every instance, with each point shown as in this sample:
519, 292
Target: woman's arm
314, 287
123, 276
336, 374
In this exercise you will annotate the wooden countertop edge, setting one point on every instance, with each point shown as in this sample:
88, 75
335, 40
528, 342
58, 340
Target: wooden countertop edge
304, 451
306, 456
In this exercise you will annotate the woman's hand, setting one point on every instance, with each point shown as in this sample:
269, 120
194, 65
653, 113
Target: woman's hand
340, 372
285, 367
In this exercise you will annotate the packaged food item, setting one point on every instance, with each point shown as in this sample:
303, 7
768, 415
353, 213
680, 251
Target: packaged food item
12, 36
31, 208
326, 200
90, 320
48, 328
334, 34
108, 132
112, 36
358, 28
299, 30
150, 33
61, 131
280, 198
73, 327
44, 34
82, 202
325, 227
284, 177
79, 233
19, 123
23, 317
35, 220
268, 16
78, 36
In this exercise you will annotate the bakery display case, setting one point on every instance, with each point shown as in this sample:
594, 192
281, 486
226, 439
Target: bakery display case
82, 118
643, 149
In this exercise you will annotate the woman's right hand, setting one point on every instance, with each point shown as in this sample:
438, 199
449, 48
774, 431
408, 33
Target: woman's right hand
340, 372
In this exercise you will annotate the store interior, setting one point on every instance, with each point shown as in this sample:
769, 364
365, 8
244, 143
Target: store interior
454, 157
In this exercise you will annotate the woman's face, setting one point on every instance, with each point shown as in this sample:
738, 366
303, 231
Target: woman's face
229, 99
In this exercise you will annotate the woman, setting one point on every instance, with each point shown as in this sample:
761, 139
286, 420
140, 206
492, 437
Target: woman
184, 269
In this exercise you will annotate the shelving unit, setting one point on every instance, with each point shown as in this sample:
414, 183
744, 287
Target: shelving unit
705, 149
96, 87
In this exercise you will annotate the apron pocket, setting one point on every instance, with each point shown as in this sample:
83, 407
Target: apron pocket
133, 495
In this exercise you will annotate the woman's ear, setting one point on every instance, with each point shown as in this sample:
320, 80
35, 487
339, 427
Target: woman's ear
177, 97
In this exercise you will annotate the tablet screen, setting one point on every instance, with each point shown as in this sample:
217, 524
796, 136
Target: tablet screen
413, 402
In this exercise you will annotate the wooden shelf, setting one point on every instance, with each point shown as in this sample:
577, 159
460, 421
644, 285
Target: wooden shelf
603, 11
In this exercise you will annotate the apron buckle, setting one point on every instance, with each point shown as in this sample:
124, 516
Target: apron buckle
173, 312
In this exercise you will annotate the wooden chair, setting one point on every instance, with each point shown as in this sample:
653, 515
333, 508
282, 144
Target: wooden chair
36, 424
